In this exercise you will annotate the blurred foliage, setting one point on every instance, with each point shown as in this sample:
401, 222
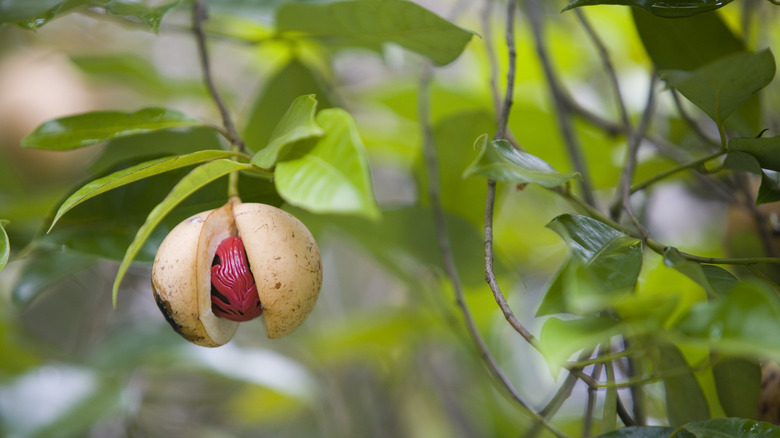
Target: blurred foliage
108, 139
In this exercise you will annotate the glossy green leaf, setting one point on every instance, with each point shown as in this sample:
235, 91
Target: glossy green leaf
297, 124
5, 245
746, 322
766, 150
135, 173
644, 432
34, 13
126, 151
560, 338
329, 174
661, 8
292, 81
104, 225
722, 86
587, 237
685, 401
732, 428
197, 178
369, 22
611, 262
89, 128
738, 383
500, 161
149, 12
714, 279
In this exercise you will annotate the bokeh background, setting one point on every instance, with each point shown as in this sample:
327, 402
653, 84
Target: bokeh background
385, 352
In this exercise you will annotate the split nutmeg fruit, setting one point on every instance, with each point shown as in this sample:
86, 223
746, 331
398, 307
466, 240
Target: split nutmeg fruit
231, 264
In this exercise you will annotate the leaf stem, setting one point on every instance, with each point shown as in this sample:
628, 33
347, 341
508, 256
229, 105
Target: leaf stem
663, 175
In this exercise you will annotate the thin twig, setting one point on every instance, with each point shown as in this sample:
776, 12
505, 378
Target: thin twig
449, 260
198, 16
503, 118
697, 164
624, 189
563, 112
610, 70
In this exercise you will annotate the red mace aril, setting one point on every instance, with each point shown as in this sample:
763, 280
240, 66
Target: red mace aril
233, 290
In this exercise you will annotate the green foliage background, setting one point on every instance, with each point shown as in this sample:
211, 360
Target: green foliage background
108, 138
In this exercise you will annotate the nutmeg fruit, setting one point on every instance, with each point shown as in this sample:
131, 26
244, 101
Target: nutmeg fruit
204, 297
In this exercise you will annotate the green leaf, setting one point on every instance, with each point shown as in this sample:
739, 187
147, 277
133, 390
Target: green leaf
292, 81
34, 14
685, 401
370, 22
587, 237
738, 382
644, 432
744, 323
500, 161
692, 42
29, 14
404, 241
133, 70
560, 338
331, 174
46, 266
769, 190
105, 225
89, 128
610, 260
686, 43
296, 124
5, 245
584, 287
197, 178
125, 151
135, 173
661, 8
150, 14
454, 149
766, 150
732, 428
714, 279
722, 86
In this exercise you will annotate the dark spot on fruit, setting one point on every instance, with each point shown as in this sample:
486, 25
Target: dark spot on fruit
277, 285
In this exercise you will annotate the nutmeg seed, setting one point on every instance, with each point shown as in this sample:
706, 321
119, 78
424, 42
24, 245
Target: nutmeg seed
281, 255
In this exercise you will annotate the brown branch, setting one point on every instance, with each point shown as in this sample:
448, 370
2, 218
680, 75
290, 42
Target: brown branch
198, 16
563, 111
624, 189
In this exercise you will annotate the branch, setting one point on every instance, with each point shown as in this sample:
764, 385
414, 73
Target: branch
609, 68
624, 190
198, 16
449, 260
561, 107
506, 106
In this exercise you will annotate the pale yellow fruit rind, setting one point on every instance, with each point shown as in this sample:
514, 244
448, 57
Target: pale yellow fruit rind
181, 266
285, 262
